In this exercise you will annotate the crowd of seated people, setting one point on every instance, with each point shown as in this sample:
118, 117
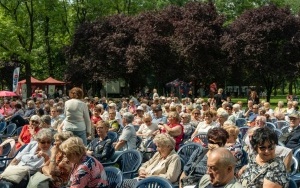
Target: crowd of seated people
167, 122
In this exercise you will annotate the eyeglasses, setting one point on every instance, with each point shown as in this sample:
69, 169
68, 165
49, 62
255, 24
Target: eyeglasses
183, 117
218, 143
196, 113
45, 142
98, 128
264, 148
35, 122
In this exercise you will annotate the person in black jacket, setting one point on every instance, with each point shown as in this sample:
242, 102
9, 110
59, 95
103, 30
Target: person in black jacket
291, 139
196, 166
101, 148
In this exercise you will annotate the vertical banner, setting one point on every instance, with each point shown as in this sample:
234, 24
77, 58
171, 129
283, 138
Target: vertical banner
24, 91
51, 90
16, 78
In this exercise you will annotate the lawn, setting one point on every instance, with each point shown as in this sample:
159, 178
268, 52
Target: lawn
273, 102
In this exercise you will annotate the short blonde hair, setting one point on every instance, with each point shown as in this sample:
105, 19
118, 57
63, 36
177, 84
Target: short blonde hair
147, 116
232, 130
63, 135
164, 140
103, 123
174, 115
73, 146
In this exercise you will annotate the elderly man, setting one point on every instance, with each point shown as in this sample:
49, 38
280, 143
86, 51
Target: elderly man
157, 115
291, 138
220, 170
127, 139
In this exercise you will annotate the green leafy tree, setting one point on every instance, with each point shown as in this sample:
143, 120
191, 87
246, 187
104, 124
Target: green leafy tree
264, 43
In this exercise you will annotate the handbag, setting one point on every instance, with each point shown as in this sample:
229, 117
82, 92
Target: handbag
193, 179
39, 180
14, 173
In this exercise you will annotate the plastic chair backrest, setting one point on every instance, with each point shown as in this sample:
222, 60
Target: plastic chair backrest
130, 162
114, 176
296, 154
270, 125
294, 167
112, 135
285, 129
186, 150
278, 132
18, 131
243, 131
240, 122
201, 138
138, 141
154, 182
281, 123
10, 128
292, 184
2, 126
6, 150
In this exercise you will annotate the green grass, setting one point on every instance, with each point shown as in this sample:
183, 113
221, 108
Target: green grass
273, 101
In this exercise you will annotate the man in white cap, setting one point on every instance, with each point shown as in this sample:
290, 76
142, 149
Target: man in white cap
291, 139
138, 118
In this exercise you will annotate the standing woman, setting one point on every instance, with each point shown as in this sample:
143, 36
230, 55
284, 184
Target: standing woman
77, 115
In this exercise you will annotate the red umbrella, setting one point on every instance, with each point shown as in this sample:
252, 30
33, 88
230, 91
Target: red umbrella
7, 94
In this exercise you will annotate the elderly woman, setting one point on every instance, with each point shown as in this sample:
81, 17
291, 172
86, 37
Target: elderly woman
77, 115
205, 125
232, 144
36, 153
101, 148
87, 171
173, 128
146, 130
195, 117
165, 162
264, 168
29, 131
58, 167
280, 107
187, 126
196, 166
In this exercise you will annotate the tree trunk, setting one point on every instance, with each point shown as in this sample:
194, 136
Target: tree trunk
28, 78
48, 48
291, 87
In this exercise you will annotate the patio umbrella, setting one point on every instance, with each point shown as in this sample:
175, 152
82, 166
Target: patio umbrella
7, 94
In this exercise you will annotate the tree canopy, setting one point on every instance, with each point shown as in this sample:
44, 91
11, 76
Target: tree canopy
265, 44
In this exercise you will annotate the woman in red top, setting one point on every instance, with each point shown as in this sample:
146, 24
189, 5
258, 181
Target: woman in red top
29, 131
173, 128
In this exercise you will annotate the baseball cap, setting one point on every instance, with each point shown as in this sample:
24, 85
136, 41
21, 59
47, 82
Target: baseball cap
294, 115
158, 108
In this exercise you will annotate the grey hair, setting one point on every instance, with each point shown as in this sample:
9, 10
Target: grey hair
225, 156
164, 140
236, 106
223, 114
128, 117
44, 133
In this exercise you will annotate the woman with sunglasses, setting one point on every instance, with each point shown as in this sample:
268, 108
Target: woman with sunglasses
195, 117
29, 131
196, 166
58, 167
264, 168
36, 153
